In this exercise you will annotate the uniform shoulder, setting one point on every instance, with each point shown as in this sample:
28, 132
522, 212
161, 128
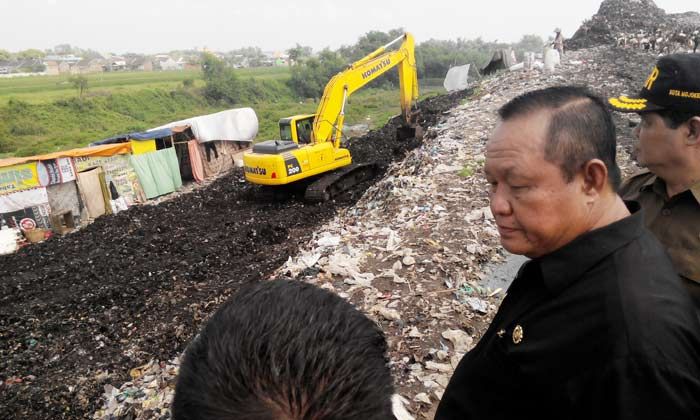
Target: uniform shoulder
642, 173
635, 182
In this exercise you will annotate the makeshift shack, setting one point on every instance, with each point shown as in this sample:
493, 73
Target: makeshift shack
218, 140
501, 60
52, 188
154, 159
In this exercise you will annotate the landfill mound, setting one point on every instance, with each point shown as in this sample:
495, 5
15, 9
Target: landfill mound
688, 19
414, 251
616, 18
80, 311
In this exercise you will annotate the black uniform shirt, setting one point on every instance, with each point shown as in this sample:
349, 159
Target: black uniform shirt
600, 329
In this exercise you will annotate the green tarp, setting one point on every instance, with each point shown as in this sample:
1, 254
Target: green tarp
158, 172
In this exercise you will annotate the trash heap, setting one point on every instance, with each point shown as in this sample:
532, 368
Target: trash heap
94, 324
639, 23
79, 312
415, 250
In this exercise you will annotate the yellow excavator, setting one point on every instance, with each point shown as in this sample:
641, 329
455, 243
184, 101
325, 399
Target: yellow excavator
310, 145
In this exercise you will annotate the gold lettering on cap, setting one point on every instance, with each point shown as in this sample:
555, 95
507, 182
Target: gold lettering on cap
684, 94
652, 78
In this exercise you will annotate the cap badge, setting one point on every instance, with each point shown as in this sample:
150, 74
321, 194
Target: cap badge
652, 78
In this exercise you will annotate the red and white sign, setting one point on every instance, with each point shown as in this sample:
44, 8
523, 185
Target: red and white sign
27, 224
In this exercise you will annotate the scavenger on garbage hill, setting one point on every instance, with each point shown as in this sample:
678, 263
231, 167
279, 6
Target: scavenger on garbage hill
669, 147
597, 324
558, 43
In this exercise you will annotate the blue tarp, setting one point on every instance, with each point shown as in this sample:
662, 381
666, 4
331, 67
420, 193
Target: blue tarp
143, 135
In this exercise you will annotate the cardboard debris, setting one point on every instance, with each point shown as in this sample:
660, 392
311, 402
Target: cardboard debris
399, 409
461, 341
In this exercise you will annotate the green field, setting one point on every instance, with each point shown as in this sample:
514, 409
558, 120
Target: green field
43, 114
41, 89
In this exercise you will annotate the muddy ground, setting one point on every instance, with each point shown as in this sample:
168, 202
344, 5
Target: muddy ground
78, 311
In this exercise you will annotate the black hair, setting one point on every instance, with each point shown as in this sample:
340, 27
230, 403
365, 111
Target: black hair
580, 128
673, 118
285, 350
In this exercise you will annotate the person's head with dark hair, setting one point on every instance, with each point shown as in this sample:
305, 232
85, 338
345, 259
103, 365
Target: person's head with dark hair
580, 128
551, 165
285, 350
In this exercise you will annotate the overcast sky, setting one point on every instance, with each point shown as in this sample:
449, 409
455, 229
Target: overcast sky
150, 26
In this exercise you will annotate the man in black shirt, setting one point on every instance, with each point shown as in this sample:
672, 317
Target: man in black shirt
597, 325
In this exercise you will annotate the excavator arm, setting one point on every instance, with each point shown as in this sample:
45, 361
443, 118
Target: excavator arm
312, 153
330, 116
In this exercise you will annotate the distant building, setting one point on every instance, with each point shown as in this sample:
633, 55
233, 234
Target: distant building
115, 63
64, 67
5, 66
192, 67
169, 64
52, 67
95, 65
140, 63
275, 58
68, 58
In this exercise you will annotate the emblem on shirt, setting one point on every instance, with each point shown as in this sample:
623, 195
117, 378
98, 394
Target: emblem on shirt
517, 334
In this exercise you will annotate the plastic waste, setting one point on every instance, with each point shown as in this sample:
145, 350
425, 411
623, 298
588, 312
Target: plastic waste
8, 239
551, 59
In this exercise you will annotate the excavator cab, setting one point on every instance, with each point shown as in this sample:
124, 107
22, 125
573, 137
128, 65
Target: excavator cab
298, 128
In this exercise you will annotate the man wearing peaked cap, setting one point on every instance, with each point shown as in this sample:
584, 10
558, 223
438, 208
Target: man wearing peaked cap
669, 148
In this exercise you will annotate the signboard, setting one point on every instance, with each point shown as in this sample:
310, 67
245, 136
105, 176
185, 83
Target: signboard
57, 171
65, 166
36, 174
22, 199
18, 178
38, 214
118, 171
27, 224
52, 171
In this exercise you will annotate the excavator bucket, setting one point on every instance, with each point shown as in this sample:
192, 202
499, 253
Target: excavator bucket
409, 132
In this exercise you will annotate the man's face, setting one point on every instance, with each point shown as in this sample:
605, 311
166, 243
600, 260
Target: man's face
659, 146
536, 210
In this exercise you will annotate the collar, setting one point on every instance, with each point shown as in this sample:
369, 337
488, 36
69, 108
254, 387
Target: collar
695, 189
567, 264
658, 185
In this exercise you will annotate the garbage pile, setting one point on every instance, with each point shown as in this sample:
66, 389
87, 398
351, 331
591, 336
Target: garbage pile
636, 24
93, 324
82, 311
415, 249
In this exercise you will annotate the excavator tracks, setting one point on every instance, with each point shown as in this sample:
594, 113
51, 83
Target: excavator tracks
330, 186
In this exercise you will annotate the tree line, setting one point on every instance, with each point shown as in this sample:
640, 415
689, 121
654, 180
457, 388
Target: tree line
311, 72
